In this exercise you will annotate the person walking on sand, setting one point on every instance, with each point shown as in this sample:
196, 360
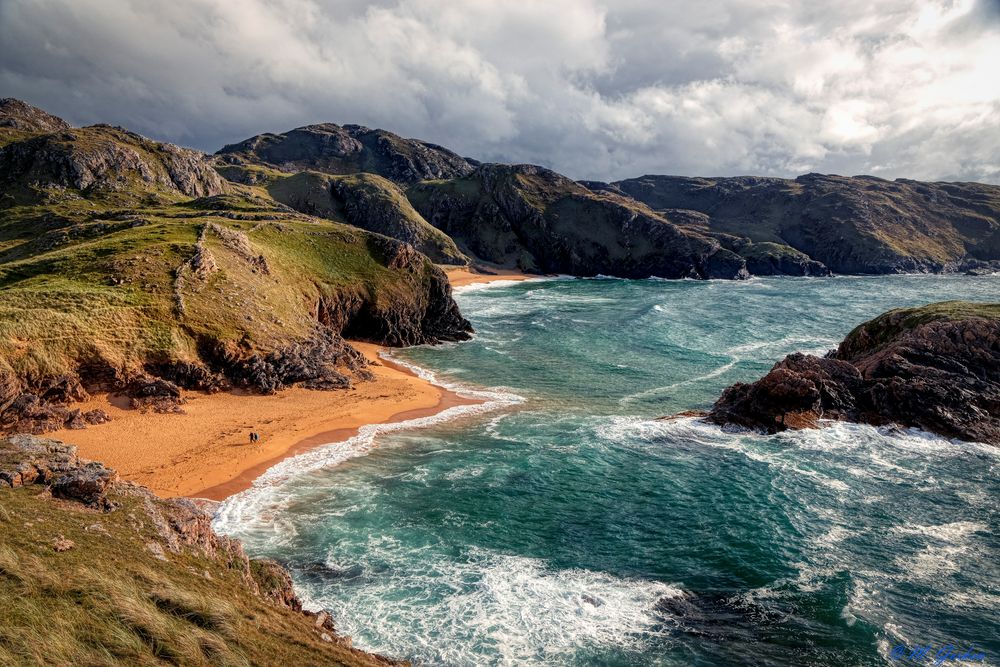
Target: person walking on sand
254, 437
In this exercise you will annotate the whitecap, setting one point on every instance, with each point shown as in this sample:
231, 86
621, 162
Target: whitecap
516, 607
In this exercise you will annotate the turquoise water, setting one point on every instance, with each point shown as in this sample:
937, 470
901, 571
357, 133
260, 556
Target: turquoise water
560, 523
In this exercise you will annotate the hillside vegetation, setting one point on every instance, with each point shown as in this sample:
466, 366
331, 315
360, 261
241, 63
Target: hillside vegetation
131, 265
94, 571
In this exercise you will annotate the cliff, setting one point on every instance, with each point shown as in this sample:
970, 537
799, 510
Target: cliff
541, 221
936, 368
94, 570
851, 225
129, 265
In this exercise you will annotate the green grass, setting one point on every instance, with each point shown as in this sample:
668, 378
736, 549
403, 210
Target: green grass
110, 601
100, 285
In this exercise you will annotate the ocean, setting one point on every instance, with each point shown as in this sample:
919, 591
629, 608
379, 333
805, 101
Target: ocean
561, 523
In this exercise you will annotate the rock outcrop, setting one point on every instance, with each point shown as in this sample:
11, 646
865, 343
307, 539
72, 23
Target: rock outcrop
17, 115
349, 149
936, 368
104, 158
852, 225
540, 221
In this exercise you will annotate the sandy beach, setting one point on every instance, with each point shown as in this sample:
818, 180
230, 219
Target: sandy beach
461, 276
206, 451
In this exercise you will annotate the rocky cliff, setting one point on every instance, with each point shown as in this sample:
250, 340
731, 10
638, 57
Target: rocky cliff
851, 225
110, 574
936, 368
131, 266
19, 117
349, 149
535, 219
540, 221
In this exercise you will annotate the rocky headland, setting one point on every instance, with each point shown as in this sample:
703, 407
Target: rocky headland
936, 368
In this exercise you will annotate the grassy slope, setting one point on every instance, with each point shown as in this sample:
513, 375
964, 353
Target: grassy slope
103, 282
103, 276
110, 601
366, 201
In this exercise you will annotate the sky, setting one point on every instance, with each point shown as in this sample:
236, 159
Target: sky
595, 90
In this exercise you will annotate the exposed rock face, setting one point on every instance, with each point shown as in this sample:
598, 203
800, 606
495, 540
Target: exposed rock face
429, 315
17, 115
27, 413
107, 158
315, 364
538, 220
936, 368
851, 225
347, 150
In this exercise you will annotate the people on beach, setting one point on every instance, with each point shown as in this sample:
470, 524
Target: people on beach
254, 437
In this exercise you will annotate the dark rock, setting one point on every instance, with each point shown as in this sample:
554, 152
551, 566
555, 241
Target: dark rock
152, 393
936, 368
87, 484
315, 362
349, 149
17, 115
189, 375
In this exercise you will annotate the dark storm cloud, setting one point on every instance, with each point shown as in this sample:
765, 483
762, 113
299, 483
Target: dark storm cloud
595, 90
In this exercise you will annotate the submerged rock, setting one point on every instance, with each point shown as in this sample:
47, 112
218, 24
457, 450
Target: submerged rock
936, 368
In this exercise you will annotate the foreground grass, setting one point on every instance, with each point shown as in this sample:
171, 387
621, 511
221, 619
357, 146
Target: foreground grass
110, 600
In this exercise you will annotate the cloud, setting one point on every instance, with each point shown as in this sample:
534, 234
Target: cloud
593, 89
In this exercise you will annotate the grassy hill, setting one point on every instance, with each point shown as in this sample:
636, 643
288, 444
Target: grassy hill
125, 258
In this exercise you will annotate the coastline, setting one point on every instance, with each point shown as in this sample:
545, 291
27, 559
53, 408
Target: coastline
205, 452
462, 276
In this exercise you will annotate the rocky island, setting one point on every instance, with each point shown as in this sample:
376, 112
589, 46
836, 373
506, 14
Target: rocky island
936, 368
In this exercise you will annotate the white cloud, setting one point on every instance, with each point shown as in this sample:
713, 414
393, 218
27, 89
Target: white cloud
593, 89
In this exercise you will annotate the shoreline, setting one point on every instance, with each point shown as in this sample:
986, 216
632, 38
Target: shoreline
204, 453
463, 276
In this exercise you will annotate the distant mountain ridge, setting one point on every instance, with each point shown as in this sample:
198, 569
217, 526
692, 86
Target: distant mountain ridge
811, 225
858, 224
